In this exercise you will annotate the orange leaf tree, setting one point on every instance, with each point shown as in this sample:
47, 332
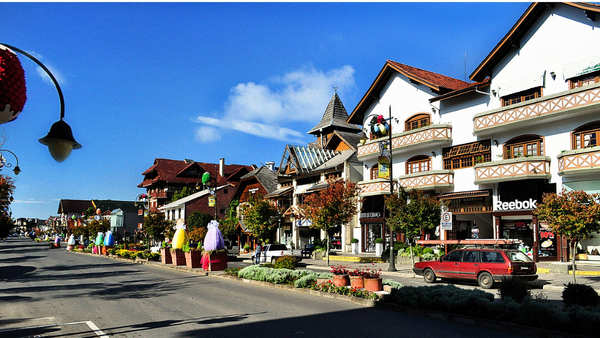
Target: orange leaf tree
571, 214
332, 206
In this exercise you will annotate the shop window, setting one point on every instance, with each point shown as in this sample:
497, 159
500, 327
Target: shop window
525, 95
417, 121
418, 164
584, 80
466, 155
524, 146
586, 136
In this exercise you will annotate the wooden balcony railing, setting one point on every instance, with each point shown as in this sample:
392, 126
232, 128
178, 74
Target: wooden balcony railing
579, 162
158, 194
563, 105
435, 134
522, 168
428, 180
375, 187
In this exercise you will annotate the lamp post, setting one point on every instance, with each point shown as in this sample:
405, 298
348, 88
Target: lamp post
387, 153
3, 162
60, 139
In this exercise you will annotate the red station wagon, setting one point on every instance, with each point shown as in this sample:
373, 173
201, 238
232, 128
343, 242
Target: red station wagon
486, 266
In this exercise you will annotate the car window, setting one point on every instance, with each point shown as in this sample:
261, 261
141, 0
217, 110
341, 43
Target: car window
278, 247
491, 257
471, 256
518, 256
454, 256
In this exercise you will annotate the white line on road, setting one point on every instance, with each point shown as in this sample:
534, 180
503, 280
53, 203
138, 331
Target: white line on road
96, 329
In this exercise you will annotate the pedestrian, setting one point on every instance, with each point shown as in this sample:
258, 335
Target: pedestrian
257, 251
475, 232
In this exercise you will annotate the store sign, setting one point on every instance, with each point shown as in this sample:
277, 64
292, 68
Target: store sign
370, 215
516, 205
304, 222
383, 170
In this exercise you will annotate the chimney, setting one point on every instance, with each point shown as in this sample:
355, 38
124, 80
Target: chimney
270, 165
222, 167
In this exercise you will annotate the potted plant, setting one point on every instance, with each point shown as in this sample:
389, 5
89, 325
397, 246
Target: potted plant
373, 280
177, 257
165, 254
378, 246
246, 248
193, 256
357, 278
354, 242
340, 275
214, 260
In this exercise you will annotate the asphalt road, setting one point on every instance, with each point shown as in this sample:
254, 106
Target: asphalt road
50, 293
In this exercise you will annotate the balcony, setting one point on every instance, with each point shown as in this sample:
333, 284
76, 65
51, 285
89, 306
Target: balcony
577, 162
375, 187
427, 180
560, 106
433, 135
514, 169
158, 194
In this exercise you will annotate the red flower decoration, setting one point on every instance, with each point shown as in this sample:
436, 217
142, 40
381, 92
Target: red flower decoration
13, 92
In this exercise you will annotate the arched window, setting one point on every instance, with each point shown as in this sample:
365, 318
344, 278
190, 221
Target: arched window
586, 135
523, 146
417, 121
418, 164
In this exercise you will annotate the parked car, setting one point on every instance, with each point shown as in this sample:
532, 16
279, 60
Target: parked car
486, 266
271, 252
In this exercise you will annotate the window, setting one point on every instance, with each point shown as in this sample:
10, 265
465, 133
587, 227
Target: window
584, 80
491, 257
525, 95
523, 146
586, 136
374, 170
466, 155
418, 164
471, 256
454, 256
417, 121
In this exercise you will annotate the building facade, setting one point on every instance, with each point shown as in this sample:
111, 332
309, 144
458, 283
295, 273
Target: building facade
526, 125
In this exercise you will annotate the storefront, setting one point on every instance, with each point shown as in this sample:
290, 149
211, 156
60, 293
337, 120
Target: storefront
372, 221
471, 215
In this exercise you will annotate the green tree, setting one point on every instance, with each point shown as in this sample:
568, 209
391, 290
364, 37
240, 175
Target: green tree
228, 225
332, 206
157, 226
90, 212
186, 191
197, 225
411, 213
7, 189
257, 217
571, 214
95, 227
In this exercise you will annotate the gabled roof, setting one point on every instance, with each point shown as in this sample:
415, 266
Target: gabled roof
79, 206
335, 117
518, 30
350, 139
110, 205
303, 159
438, 83
177, 172
265, 176
473, 87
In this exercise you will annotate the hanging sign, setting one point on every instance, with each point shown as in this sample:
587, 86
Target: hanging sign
211, 201
383, 169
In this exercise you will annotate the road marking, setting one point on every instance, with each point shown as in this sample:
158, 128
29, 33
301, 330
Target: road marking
90, 324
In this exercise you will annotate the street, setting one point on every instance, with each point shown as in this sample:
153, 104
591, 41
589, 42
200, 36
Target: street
51, 293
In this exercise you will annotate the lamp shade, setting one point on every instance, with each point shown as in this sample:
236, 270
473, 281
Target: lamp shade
12, 85
60, 141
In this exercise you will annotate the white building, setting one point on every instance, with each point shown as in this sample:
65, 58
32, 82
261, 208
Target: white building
527, 125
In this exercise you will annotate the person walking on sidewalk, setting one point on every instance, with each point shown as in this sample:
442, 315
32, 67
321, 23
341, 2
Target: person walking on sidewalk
257, 251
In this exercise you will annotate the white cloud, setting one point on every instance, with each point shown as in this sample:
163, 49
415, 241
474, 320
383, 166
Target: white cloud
264, 110
207, 134
31, 202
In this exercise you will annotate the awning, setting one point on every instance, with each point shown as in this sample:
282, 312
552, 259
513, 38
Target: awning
527, 82
465, 194
279, 192
301, 189
317, 187
581, 67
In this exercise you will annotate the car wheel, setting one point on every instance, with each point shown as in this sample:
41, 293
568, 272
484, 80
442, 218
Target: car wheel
485, 280
273, 260
429, 276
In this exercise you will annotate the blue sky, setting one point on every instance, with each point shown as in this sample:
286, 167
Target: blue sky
205, 81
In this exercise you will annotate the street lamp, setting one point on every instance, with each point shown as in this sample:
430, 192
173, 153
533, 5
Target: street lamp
3, 162
387, 153
60, 140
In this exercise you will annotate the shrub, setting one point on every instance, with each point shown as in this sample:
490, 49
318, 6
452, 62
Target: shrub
580, 294
514, 288
232, 271
428, 251
392, 283
286, 262
354, 240
379, 240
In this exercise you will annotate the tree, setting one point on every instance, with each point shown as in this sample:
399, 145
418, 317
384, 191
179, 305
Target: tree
257, 217
230, 222
6, 197
157, 226
332, 206
186, 191
197, 225
411, 213
98, 226
571, 214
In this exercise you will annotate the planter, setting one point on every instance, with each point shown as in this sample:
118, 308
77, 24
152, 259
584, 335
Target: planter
341, 280
373, 284
355, 248
165, 256
378, 249
193, 259
105, 249
322, 280
178, 257
357, 282
215, 262
581, 257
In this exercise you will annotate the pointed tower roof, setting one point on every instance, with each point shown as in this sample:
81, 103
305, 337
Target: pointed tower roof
334, 118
